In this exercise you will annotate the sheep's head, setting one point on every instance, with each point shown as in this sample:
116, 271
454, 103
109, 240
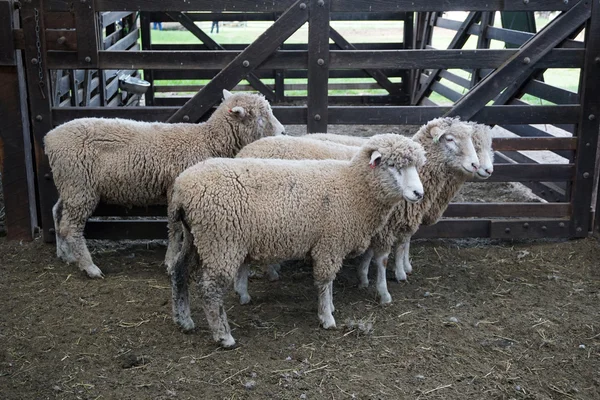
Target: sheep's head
452, 140
394, 160
252, 113
482, 140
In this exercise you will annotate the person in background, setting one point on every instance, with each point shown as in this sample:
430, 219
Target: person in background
214, 24
157, 25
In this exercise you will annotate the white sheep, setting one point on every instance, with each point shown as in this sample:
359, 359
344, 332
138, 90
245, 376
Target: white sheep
134, 163
297, 148
455, 149
482, 141
259, 210
341, 139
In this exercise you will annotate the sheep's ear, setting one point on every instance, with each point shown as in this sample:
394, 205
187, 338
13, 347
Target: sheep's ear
436, 133
238, 112
375, 159
226, 94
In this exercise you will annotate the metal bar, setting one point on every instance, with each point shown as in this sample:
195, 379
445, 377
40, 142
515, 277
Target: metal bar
289, 22
39, 108
587, 130
522, 63
458, 41
318, 65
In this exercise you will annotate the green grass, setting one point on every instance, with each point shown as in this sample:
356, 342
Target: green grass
355, 32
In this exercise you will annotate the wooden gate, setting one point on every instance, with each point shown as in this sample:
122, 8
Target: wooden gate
87, 42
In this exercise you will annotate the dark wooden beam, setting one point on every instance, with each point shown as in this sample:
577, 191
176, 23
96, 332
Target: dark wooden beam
508, 210
483, 42
86, 25
522, 63
318, 65
249, 59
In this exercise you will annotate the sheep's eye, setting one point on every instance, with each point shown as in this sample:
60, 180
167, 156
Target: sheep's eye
449, 139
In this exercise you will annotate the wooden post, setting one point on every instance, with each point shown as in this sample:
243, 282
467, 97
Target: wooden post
16, 161
318, 65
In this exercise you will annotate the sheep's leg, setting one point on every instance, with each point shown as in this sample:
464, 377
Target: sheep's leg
330, 296
325, 304
174, 244
363, 269
180, 273
273, 272
212, 290
241, 284
62, 248
407, 266
399, 261
71, 226
382, 290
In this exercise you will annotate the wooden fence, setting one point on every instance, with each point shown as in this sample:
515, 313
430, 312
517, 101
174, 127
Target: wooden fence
73, 51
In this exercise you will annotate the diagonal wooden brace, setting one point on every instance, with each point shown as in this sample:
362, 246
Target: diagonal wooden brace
521, 63
189, 24
248, 60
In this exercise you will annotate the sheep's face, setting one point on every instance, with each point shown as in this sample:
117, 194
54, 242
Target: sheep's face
395, 161
482, 140
254, 113
455, 141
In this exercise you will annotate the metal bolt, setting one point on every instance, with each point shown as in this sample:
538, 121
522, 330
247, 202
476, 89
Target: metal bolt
561, 225
320, 61
34, 61
526, 60
317, 117
61, 40
597, 60
302, 6
578, 229
246, 63
591, 117
526, 225
88, 59
586, 175
544, 227
47, 176
51, 230
321, 3
38, 117
566, 1
587, 144
186, 118
525, 1
507, 230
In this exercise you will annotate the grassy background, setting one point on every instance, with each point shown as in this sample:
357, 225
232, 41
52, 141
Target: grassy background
356, 32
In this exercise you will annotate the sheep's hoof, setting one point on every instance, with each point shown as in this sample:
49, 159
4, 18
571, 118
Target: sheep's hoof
94, 272
273, 276
385, 299
228, 342
363, 285
400, 275
187, 325
245, 299
328, 322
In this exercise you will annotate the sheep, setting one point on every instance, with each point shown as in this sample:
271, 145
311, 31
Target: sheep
341, 139
454, 159
135, 163
482, 141
267, 210
297, 148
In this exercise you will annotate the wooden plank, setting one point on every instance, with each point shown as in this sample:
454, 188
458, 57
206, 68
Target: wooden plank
126, 229
39, 107
532, 172
266, 74
457, 42
291, 86
109, 18
504, 210
187, 23
550, 93
296, 59
483, 42
111, 210
532, 229
270, 16
7, 41
249, 59
318, 65
587, 130
59, 20
86, 26
146, 47
543, 143
336, 5
455, 228
170, 101
521, 64
61, 40
126, 42
377, 74
287, 46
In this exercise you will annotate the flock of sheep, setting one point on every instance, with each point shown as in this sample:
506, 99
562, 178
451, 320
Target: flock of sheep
239, 192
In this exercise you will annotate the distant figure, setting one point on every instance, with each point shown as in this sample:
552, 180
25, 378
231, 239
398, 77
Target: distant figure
214, 23
157, 25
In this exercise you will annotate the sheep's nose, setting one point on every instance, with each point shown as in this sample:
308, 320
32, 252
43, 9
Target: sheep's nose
418, 195
489, 170
283, 132
475, 166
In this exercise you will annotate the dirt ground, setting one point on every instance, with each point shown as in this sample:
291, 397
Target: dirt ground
477, 320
